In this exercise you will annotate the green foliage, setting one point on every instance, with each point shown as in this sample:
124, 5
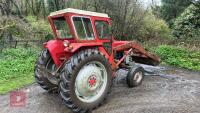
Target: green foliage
16, 68
41, 27
54, 5
30, 29
127, 17
179, 57
171, 9
15, 26
154, 28
51, 5
188, 24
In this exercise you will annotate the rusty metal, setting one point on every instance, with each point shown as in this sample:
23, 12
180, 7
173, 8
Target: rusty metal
122, 59
139, 52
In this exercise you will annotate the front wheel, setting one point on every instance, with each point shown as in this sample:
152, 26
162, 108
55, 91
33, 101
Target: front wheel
135, 76
85, 81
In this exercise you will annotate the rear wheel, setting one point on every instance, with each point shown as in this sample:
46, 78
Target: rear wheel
46, 80
85, 81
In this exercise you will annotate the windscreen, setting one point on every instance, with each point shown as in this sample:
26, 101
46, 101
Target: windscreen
83, 28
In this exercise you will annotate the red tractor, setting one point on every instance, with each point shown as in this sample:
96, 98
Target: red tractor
81, 61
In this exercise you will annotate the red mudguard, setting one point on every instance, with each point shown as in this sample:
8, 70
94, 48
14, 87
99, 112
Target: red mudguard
56, 49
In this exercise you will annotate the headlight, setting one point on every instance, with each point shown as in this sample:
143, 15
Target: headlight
66, 43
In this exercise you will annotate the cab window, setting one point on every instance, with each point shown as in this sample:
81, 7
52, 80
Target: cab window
83, 28
62, 28
102, 29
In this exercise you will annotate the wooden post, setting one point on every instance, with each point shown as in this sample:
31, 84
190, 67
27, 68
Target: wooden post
26, 45
1, 49
15, 44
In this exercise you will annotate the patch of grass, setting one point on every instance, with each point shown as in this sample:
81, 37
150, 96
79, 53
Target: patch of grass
180, 57
16, 67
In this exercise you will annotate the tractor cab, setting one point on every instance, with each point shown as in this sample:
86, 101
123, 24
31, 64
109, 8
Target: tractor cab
78, 26
78, 29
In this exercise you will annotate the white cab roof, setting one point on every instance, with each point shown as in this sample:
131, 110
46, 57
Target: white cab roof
77, 11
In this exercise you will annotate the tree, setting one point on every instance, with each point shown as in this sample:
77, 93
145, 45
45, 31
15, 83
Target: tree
188, 24
127, 16
171, 9
5, 7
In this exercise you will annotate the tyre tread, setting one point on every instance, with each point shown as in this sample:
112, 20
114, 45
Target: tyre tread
72, 64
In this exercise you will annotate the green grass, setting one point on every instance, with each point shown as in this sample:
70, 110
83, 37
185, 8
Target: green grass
180, 57
16, 65
16, 68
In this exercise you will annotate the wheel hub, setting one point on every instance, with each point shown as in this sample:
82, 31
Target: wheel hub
90, 82
138, 77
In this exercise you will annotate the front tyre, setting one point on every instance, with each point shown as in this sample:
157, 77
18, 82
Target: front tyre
135, 76
42, 77
85, 81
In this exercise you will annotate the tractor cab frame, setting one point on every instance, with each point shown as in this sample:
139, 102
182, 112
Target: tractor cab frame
75, 29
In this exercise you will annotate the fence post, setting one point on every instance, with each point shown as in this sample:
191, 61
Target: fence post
1, 46
26, 45
15, 44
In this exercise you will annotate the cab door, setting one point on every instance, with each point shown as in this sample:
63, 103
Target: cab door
103, 34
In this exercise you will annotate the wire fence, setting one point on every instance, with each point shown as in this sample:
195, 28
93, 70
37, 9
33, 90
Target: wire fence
20, 43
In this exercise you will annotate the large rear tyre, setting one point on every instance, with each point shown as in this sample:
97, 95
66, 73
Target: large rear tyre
85, 81
42, 77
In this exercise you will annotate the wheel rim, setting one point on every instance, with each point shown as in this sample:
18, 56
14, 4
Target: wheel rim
91, 82
52, 67
138, 77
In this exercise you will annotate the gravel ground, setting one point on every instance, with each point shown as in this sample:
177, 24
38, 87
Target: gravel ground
164, 90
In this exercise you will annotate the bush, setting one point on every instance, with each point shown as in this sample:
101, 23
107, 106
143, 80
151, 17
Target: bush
16, 68
14, 26
188, 24
40, 26
155, 28
179, 57
21, 29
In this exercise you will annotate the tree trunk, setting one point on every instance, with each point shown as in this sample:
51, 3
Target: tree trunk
44, 10
17, 8
32, 7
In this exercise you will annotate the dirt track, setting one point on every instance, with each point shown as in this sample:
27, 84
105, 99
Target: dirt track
174, 91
